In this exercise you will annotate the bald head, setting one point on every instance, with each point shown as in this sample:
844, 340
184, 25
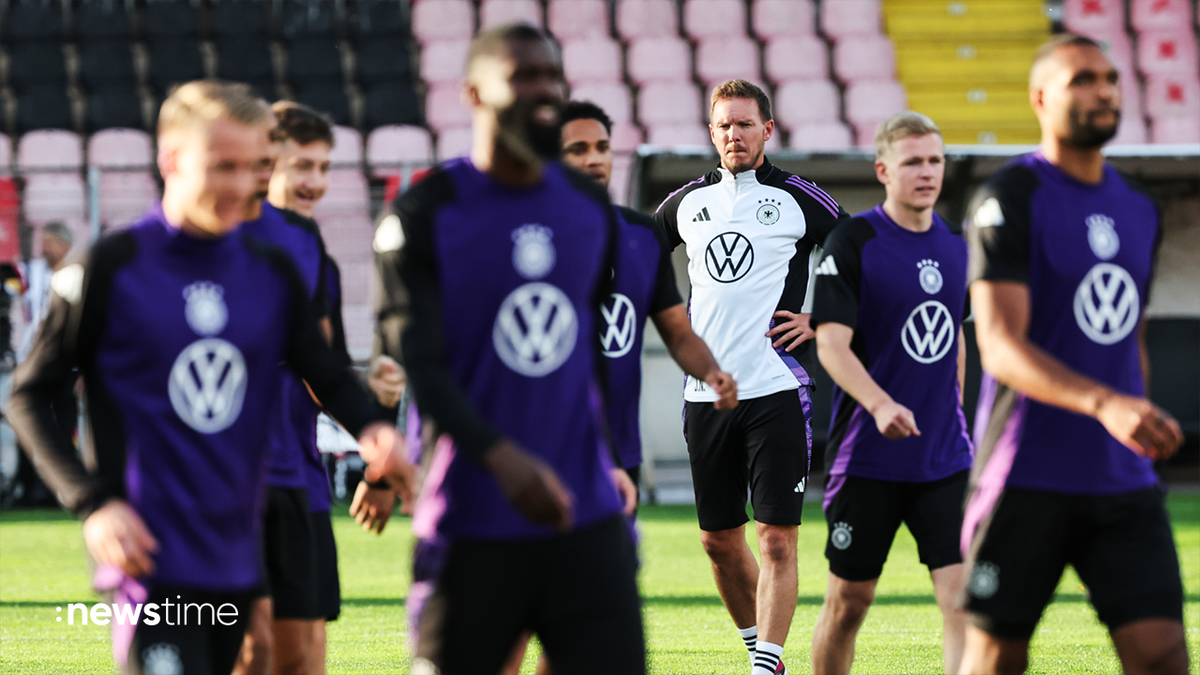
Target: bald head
1075, 92
1047, 55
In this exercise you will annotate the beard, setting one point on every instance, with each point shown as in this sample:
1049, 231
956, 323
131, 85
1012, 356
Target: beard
524, 135
1085, 133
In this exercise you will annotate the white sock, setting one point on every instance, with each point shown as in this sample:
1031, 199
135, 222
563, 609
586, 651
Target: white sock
766, 658
750, 637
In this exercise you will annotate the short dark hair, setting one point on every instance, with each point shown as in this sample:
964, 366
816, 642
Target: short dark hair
586, 110
1056, 43
742, 89
495, 41
300, 123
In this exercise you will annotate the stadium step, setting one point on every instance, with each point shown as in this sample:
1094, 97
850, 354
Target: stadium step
969, 103
964, 60
983, 18
1004, 132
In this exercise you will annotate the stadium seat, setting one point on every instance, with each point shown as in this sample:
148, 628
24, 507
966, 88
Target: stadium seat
174, 61
721, 59
846, 18
383, 59
389, 147
30, 22
647, 18
124, 195
872, 101
314, 59
659, 59
347, 147
52, 149
1173, 96
1167, 52
496, 12
242, 18
348, 192
864, 133
454, 142
5, 155
106, 65
45, 107
112, 108
247, 59
663, 104
302, 19
329, 98
443, 60
444, 108
618, 182
1175, 130
866, 57
800, 102
775, 19
714, 18
1156, 15
679, 134
371, 19
165, 20
55, 196
613, 97
393, 103
799, 57
120, 148
101, 21
36, 64
443, 20
1131, 132
1088, 17
1120, 51
626, 137
577, 18
590, 59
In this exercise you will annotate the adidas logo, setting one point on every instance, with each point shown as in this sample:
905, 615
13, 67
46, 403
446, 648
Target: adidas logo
702, 216
827, 267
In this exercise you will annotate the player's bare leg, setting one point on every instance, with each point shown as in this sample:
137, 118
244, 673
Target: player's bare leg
778, 581
1152, 647
947, 587
317, 652
735, 571
255, 657
845, 609
985, 654
293, 641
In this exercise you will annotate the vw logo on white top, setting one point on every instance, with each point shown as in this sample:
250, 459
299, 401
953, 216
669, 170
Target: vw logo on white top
729, 257
1107, 304
620, 326
207, 385
928, 333
535, 329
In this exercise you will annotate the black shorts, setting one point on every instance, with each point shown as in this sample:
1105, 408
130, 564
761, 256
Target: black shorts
577, 592
1120, 545
290, 554
208, 643
329, 588
765, 443
864, 514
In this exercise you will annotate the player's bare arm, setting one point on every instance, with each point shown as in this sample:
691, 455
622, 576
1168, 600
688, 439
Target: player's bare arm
1001, 310
833, 350
116, 535
693, 355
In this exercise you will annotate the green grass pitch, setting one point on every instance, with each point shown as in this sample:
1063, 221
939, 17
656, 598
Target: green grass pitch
42, 567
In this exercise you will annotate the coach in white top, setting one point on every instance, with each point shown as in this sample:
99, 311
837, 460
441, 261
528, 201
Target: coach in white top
749, 229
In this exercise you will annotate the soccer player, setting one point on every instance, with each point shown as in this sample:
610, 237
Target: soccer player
493, 275
889, 298
750, 229
1062, 256
178, 325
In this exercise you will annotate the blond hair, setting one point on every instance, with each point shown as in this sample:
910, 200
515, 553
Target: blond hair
742, 89
905, 124
199, 103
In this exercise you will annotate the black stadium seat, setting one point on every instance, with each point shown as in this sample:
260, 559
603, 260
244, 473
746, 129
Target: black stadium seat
300, 19
163, 19
313, 60
113, 108
104, 65
44, 107
238, 17
391, 104
376, 18
31, 22
97, 20
36, 64
329, 98
383, 59
173, 62
246, 59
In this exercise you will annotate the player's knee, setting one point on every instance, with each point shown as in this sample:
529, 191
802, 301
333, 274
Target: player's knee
849, 604
777, 544
722, 545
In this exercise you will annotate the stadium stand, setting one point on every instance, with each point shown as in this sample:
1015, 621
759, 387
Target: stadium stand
497, 12
569, 19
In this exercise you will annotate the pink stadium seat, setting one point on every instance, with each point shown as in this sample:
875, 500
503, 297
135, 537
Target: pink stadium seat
679, 134
444, 109
1167, 52
872, 101
657, 59
799, 57
1131, 132
667, 103
50, 149
348, 193
347, 148
776, 19
443, 20
613, 97
727, 58
5, 155
1175, 130
56, 196
1155, 15
714, 18
120, 148
844, 18
348, 239
800, 102
821, 136
618, 183
453, 143
390, 146
626, 137
497, 12
866, 57
1094, 16
864, 133
577, 18
1173, 96
647, 18
124, 195
1120, 51
444, 60
590, 59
